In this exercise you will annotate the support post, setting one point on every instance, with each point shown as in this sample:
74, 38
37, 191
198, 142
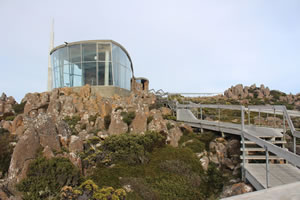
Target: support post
249, 117
294, 138
201, 113
219, 110
284, 129
243, 142
274, 118
259, 118
267, 167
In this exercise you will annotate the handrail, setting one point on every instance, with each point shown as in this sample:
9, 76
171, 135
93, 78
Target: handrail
287, 155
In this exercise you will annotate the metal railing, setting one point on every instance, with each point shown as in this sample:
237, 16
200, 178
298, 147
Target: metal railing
269, 147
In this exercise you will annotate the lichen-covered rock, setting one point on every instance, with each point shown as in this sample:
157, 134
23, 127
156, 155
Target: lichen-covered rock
117, 126
25, 151
165, 111
157, 124
139, 124
18, 121
236, 189
174, 135
76, 144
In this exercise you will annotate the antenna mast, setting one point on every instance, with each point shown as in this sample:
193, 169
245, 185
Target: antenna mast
51, 46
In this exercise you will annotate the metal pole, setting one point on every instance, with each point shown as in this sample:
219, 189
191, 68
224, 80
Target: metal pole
294, 138
284, 129
259, 118
201, 113
248, 116
267, 166
243, 142
274, 118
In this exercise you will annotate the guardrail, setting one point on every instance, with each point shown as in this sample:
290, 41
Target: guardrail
287, 155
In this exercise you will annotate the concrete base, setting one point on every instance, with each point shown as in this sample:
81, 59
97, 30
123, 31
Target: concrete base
106, 91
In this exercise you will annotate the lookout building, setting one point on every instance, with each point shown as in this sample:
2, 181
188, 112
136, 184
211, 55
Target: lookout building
103, 64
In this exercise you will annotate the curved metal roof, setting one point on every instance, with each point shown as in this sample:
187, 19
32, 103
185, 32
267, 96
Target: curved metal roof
94, 41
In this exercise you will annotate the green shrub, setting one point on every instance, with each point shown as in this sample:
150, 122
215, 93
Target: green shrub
128, 117
93, 118
132, 148
72, 122
94, 140
118, 108
196, 146
45, 178
6, 149
276, 94
107, 120
19, 108
149, 119
170, 117
170, 126
9, 118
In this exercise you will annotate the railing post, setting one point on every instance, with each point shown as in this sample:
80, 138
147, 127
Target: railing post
284, 129
294, 138
259, 117
201, 113
274, 118
249, 117
219, 110
267, 166
243, 142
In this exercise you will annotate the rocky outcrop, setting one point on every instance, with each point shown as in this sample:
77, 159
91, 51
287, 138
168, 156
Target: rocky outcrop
6, 105
25, 151
240, 92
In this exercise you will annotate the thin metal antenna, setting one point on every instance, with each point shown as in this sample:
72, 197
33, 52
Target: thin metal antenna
51, 46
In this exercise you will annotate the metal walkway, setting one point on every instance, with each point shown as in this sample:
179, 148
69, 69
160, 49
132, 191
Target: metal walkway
283, 168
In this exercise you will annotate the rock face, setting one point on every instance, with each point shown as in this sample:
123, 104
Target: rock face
25, 151
59, 124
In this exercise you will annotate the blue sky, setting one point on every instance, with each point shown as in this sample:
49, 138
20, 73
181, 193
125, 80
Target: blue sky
181, 46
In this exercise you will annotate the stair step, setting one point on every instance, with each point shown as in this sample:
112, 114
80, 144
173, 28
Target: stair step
273, 142
261, 157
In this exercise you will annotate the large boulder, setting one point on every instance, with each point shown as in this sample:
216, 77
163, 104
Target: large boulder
25, 151
236, 189
139, 124
117, 126
174, 135
157, 124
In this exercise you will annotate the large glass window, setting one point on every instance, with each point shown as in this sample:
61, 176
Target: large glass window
94, 63
89, 73
89, 52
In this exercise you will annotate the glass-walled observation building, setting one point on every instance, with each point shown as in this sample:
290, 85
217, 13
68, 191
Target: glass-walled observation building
93, 62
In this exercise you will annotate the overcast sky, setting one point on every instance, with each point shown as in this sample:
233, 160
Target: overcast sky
181, 46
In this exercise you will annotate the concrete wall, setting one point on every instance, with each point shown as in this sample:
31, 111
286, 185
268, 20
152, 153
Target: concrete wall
106, 91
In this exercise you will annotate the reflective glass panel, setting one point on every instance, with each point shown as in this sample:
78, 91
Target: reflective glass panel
89, 73
89, 52
104, 52
75, 53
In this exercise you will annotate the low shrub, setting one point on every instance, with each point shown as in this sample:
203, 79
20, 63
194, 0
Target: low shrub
170, 126
93, 118
45, 178
170, 117
6, 150
72, 122
10, 118
196, 146
128, 117
19, 108
149, 119
132, 148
